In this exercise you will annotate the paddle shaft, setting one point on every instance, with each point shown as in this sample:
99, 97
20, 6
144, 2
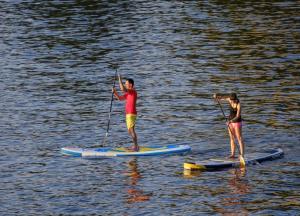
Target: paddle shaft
227, 121
110, 109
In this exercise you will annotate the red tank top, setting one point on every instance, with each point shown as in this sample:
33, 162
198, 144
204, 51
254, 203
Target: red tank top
131, 97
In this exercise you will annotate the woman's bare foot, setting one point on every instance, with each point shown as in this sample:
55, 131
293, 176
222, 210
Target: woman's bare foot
231, 157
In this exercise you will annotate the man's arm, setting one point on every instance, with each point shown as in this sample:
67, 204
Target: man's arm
119, 97
122, 87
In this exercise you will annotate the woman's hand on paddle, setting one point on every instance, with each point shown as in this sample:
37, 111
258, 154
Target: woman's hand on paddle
218, 96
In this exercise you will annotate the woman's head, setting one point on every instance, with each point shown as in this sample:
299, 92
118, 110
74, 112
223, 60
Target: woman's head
233, 97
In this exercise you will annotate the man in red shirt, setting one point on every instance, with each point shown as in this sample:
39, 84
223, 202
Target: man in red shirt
130, 95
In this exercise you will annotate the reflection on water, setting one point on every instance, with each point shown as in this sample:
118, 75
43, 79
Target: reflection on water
237, 190
135, 194
232, 194
191, 173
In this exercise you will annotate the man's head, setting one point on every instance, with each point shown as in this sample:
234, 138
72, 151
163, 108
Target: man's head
129, 83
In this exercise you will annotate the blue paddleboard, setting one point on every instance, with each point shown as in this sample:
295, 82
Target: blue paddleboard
119, 152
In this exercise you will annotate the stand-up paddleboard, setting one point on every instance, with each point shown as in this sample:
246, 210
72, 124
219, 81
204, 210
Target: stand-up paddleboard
119, 152
221, 163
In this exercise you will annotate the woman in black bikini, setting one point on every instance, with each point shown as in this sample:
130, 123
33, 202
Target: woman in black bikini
234, 122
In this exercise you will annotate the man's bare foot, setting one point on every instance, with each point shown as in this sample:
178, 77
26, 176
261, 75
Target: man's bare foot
133, 148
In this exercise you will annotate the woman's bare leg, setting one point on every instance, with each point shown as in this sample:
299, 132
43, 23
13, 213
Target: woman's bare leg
239, 137
232, 145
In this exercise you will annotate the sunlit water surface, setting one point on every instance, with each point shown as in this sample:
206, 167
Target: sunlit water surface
55, 89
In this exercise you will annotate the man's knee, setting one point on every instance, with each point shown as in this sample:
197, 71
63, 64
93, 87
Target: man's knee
130, 130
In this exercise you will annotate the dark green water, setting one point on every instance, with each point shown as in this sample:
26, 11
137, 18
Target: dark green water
55, 81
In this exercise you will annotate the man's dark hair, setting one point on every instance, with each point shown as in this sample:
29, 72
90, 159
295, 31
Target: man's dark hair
131, 81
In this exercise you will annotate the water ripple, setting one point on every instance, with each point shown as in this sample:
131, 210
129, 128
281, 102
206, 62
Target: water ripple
55, 88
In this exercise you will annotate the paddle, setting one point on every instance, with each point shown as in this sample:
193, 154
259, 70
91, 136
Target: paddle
242, 160
111, 102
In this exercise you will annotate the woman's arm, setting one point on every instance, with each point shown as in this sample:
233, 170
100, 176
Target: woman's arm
222, 97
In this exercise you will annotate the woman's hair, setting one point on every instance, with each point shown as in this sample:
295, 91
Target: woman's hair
233, 96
